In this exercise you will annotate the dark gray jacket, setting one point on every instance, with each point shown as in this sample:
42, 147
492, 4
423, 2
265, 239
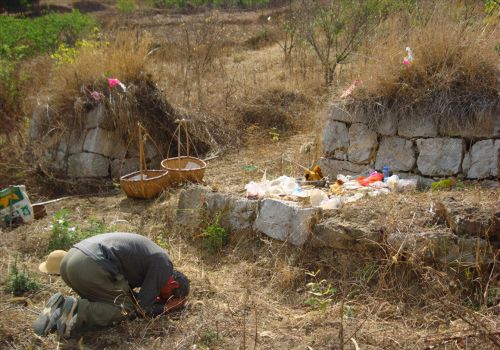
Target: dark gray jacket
143, 263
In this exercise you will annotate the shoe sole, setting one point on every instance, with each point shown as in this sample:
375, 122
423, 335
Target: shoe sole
67, 314
46, 319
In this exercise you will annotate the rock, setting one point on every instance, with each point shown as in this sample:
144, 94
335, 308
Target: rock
339, 113
418, 127
340, 154
341, 234
191, 207
72, 143
235, 213
88, 165
362, 144
467, 220
285, 221
388, 125
96, 117
332, 167
440, 156
219, 207
486, 126
104, 142
335, 137
36, 122
483, 158
150, 150
243, 214
396, 153
120, 167
438, 246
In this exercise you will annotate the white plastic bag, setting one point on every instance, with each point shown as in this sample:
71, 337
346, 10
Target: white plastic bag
316, 197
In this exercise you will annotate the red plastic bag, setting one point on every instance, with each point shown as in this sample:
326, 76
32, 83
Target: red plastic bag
374, 177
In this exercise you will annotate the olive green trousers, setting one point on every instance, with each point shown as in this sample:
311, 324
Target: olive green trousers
105, 299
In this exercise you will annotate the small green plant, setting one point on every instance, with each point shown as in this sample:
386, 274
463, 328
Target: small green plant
215, 236
210, 338
349, 311
162, 242
19, 282
369, 271
65, 234
446, 184
321, 292
275, 135
125, 6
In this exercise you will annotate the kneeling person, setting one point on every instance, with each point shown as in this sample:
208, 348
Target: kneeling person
103, 270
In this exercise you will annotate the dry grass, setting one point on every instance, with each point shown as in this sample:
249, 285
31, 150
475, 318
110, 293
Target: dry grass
253, 292
453, 76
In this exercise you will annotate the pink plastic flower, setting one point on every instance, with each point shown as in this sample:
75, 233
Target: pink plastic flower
406, 62
112, 82
95, 95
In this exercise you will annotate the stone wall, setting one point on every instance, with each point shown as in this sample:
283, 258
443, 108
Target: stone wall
93, 150
421, 146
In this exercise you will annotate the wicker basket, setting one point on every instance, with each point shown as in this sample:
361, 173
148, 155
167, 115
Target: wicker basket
178, 173
150, 186
144, 183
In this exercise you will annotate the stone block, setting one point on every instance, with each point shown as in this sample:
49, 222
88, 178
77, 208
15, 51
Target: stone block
96, 117
486, 126
150, 150
466, 220
285, 221
335, 137
340, 113
440, 156
191, 207
88, 165
333, 167
396, 153
120, 167
362, 144
388, 125
439, 246
235, 213
243, 214
341, 234
482, 160
105, 142
418, 127
72, 143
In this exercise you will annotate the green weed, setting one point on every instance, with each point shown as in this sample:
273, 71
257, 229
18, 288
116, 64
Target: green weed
447, 184
321, 292
162, 242
24, 37
65, 234
215, 237
19, 282
210, 338
209, 3
125, 6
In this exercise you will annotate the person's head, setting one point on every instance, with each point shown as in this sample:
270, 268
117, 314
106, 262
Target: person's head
177, 286
52, 265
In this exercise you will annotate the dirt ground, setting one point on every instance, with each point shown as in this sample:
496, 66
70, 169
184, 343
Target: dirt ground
252, 294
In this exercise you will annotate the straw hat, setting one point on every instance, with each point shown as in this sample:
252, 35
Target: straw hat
53, 263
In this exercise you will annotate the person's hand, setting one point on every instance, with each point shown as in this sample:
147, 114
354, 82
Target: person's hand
174, 304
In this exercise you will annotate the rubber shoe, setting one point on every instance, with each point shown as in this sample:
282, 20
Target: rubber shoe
49, 316
68, 317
